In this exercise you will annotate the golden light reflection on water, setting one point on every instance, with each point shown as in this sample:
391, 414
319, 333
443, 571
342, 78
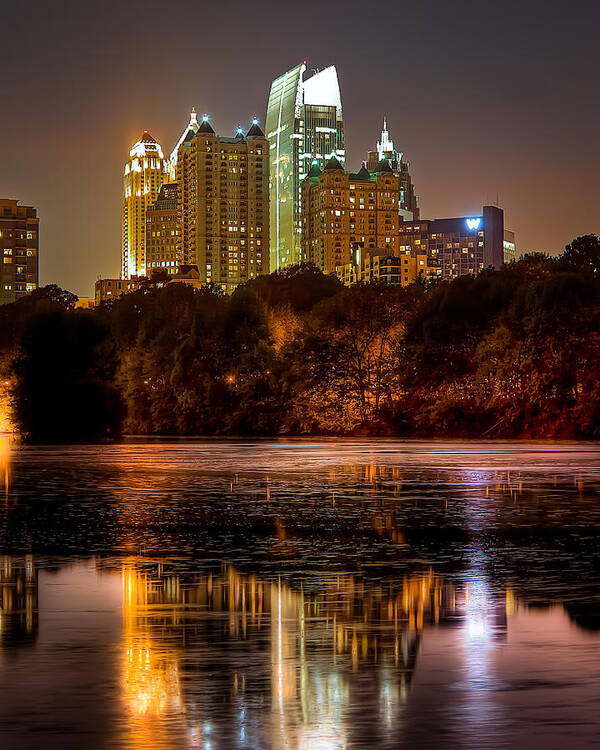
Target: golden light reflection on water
223, 658
5, 465
315, 643
150, 681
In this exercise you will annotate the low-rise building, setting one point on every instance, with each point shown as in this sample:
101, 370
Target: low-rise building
84, 303
19, 245
401, 269
187, 274
109, 289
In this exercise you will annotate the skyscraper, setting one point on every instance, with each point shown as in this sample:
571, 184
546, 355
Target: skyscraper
19, 244
408, 207
223, 188
304, 123
145, 172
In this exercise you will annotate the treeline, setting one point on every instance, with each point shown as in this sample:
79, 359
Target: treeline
509, 353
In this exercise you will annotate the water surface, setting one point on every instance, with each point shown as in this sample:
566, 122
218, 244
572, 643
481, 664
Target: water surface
303, 594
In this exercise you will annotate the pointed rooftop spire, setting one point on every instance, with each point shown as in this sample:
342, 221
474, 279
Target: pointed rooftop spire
333, 164
386, 144
315, 169
205, 127
383, 166
189, 132
363, 172
255, 129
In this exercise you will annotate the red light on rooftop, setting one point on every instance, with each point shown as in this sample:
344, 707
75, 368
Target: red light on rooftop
146, 132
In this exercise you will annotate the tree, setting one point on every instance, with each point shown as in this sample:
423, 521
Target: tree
583, 254
64, 390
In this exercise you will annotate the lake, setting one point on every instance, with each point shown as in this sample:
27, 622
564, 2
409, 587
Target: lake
301, 594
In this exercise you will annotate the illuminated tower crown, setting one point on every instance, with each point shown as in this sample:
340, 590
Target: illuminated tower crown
145, 171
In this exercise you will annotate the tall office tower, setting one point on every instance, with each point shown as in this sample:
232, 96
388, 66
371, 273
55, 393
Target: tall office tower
408, 207
304, 123
162, 231
343, 212
224, 204
19, 244
145, 172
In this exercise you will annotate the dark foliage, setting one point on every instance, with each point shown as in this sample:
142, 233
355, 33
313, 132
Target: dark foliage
509, 353
64, 373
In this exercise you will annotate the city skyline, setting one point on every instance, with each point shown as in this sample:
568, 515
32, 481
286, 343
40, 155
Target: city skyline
477, 114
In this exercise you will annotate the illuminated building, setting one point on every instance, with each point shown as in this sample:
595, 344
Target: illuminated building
304, 123
401, 269
341, 210
162, 230
224, 204
109, 289
407, 203
19, 244
509, 246
145, 171
458, 246
188, 275
84, 303
188, 133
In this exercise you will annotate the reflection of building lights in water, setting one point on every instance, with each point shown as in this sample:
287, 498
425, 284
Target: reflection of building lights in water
318, 645
151, 685
5, 463
321, 737
476, 610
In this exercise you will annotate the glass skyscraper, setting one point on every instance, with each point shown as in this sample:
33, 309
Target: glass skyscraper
304, 122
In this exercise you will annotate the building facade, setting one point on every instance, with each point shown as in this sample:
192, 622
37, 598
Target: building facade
109, 289
162, 231
144, 174
188, 133
459, 246
19, 245
408, 207
304, 123
510, 246
342, 210
223, 204
401, 269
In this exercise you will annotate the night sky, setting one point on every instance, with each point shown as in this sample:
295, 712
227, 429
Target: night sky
488, 101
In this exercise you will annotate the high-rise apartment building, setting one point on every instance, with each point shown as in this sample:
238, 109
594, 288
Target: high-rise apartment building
408, 207
162, 231
145, 171
19, 245
342, 211
304, 122
224, 204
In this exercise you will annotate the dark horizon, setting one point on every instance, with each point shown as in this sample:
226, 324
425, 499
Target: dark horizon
487, 104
